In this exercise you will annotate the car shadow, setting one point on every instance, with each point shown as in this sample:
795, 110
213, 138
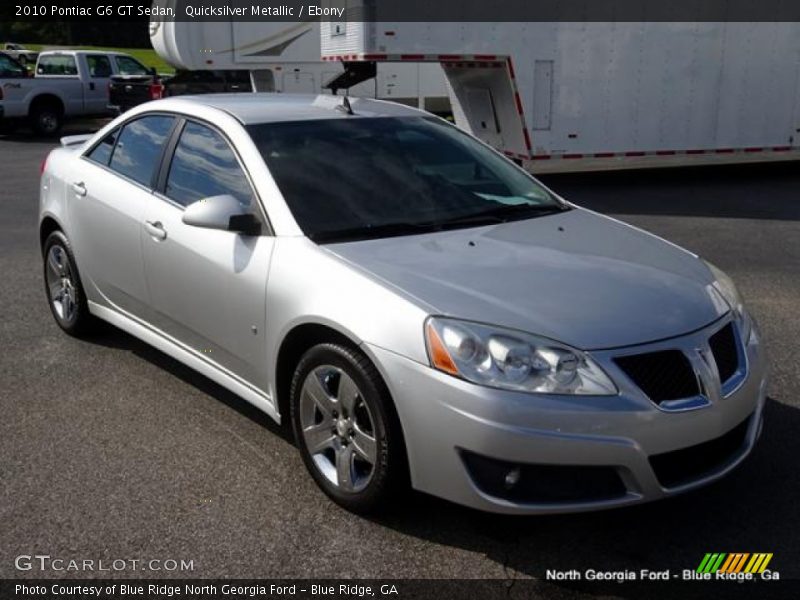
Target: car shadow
755, 191
109, 336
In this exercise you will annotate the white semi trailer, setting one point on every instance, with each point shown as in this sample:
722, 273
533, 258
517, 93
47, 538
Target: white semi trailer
285, 57
579, 96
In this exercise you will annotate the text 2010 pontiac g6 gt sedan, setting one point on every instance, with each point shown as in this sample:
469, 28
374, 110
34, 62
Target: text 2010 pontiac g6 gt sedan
421, 309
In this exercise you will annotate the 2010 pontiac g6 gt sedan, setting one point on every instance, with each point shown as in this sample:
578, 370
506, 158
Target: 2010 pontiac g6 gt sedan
419, 308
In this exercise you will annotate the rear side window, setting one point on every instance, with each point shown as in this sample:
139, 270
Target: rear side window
203, 166
139, 148
57, 64
99, 66
130, 66
102, 152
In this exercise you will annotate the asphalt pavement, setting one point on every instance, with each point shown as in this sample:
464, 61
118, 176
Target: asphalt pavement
111, 450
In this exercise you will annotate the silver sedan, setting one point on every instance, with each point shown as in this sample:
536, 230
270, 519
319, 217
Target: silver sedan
421, 310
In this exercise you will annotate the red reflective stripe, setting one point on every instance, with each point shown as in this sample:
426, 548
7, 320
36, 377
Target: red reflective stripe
388, 33
541, 157
485, 57
375, 57
603, 154
518, 101
695, 152
724, 151
665, 152
572, 156
510, 69
753, 149
412, 57
635, 153
781, 148
527, 138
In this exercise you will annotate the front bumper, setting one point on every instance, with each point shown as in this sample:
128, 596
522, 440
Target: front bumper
459, 434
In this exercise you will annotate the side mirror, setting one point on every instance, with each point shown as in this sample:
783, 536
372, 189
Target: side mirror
221, 212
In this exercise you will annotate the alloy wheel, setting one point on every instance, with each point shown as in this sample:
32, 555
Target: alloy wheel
338, 428
60, 283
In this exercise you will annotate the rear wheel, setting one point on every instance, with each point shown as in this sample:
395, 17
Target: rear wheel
63, 286
46, 119
346, 428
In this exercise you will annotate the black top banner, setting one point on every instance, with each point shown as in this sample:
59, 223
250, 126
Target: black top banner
406, 10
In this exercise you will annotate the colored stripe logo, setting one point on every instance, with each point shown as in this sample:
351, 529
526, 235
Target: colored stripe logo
735, 562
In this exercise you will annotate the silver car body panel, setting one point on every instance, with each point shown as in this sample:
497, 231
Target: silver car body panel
223, 303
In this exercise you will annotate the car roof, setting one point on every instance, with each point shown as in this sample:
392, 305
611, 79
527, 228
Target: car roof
76, 52
253, 108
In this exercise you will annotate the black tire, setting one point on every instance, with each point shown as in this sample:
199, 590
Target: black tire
46, 119
389, 475
79, 321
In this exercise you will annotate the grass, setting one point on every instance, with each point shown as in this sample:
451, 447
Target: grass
146, 56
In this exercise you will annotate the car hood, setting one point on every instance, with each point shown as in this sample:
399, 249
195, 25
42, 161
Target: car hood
577, 277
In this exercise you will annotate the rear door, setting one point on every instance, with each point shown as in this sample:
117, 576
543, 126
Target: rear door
107, 199
95, 91
207, 286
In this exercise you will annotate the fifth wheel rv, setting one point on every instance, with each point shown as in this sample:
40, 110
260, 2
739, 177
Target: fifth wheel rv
285, 57
580, 95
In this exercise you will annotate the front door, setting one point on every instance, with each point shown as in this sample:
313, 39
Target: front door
207, 286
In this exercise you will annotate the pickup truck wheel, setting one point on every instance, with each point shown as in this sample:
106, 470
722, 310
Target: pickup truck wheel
46, 119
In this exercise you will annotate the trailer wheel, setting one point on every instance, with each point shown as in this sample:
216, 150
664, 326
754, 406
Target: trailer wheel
46, 118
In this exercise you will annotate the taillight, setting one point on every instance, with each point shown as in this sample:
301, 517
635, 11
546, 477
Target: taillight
43, 166
156, 91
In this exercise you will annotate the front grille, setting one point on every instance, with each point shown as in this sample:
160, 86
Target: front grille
692, 463
664, 375
726, 353
543, 484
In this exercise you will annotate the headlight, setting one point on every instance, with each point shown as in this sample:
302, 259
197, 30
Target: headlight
727, 289
513, 360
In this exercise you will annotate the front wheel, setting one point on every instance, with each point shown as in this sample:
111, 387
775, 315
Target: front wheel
346, 428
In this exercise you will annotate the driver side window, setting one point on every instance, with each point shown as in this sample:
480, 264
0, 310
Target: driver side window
203, 166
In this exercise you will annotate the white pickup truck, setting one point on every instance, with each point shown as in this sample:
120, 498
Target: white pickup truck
65, 84
21, 53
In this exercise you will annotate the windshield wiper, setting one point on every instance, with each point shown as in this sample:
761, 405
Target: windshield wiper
505, 213
498, 214
372, 231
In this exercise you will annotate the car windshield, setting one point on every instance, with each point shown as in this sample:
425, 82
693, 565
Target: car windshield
359, 178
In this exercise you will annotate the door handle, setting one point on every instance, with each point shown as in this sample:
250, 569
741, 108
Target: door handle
155, 229
79, 188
